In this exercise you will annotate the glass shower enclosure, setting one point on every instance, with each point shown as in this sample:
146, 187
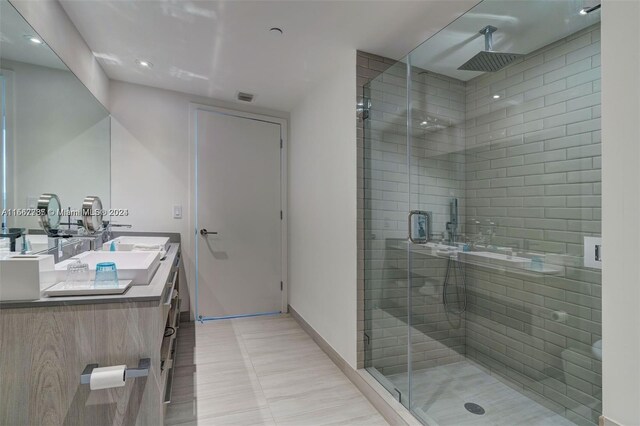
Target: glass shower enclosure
482, 219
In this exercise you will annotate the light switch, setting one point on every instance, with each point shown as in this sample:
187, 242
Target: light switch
32, 202
177, 212
593, 252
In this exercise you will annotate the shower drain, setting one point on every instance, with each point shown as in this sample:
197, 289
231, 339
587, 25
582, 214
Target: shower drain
474, 408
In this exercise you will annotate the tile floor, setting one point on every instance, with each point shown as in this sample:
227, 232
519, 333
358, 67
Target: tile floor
260, 371
441, 392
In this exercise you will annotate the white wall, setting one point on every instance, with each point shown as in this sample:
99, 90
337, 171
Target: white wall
150, 157
322, 207
51, 22
621, 210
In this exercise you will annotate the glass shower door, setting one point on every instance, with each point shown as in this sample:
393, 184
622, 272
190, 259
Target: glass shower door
386, 205
436, 279
407, 191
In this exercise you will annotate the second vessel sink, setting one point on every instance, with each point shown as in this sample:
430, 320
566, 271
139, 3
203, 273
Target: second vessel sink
129, 243
137, 266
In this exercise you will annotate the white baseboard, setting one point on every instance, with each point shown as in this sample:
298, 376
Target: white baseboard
603, 421
394, 412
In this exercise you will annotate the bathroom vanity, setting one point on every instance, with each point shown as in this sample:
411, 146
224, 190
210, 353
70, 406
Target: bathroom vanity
56, 151
47, 343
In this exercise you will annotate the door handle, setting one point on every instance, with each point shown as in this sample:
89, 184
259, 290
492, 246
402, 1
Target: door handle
204, 232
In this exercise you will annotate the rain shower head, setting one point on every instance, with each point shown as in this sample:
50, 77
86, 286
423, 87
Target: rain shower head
488, 60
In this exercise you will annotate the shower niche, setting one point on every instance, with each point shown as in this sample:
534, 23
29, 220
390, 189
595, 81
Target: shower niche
484, 310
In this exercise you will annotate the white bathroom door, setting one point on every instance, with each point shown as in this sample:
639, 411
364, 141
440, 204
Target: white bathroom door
239, 218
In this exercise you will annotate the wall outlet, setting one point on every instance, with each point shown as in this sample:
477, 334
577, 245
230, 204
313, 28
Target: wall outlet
593, 252
177, 212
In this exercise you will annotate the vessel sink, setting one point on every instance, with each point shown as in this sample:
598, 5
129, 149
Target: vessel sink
128, 243
137, 266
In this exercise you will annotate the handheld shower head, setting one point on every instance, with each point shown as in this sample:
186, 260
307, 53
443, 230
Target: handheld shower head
453, 214
452, 225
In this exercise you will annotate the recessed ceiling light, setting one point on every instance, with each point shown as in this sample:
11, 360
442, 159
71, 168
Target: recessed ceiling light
496, 96
276, 30
33, 39
144, 64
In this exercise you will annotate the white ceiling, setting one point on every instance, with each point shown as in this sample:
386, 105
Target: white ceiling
15, 46
523, 27
217, 48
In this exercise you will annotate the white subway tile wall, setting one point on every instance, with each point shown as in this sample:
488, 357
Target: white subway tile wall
526, 171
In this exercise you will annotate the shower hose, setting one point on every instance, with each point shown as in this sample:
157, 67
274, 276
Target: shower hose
454, 267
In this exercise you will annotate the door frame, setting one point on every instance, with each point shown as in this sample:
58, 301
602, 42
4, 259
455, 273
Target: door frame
194, 108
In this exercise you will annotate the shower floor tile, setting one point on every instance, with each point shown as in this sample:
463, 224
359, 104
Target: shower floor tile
439, 395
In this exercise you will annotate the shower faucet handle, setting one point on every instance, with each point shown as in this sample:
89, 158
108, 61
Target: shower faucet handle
419, 226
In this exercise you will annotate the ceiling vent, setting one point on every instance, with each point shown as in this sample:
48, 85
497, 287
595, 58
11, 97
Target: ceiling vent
245, 97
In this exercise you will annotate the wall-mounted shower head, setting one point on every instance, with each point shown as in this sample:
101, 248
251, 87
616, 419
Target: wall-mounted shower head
488, 60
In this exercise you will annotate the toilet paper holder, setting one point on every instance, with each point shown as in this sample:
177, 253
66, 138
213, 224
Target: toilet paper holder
129, 373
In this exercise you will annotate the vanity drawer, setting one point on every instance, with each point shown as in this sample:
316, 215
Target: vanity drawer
170, 293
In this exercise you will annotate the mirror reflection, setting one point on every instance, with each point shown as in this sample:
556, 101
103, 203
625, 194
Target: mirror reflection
55, 136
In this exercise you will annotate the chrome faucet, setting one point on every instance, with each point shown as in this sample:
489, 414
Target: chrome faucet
13, 234
108, 225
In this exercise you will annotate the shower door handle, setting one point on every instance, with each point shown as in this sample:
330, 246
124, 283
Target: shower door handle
421, 232
204, 232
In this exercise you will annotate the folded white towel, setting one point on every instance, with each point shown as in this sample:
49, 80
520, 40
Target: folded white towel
153, 247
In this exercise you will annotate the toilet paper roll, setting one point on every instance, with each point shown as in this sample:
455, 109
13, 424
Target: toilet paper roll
559, 316
107, 377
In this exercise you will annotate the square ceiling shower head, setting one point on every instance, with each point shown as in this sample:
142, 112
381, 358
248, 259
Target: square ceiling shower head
488, 60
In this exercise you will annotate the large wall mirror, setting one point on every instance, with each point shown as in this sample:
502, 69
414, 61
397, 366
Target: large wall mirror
55, 133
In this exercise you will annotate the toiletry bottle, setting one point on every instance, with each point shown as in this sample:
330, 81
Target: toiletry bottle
25, 245
537, 263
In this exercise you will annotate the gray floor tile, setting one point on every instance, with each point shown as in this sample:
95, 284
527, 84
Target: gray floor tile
260, 371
